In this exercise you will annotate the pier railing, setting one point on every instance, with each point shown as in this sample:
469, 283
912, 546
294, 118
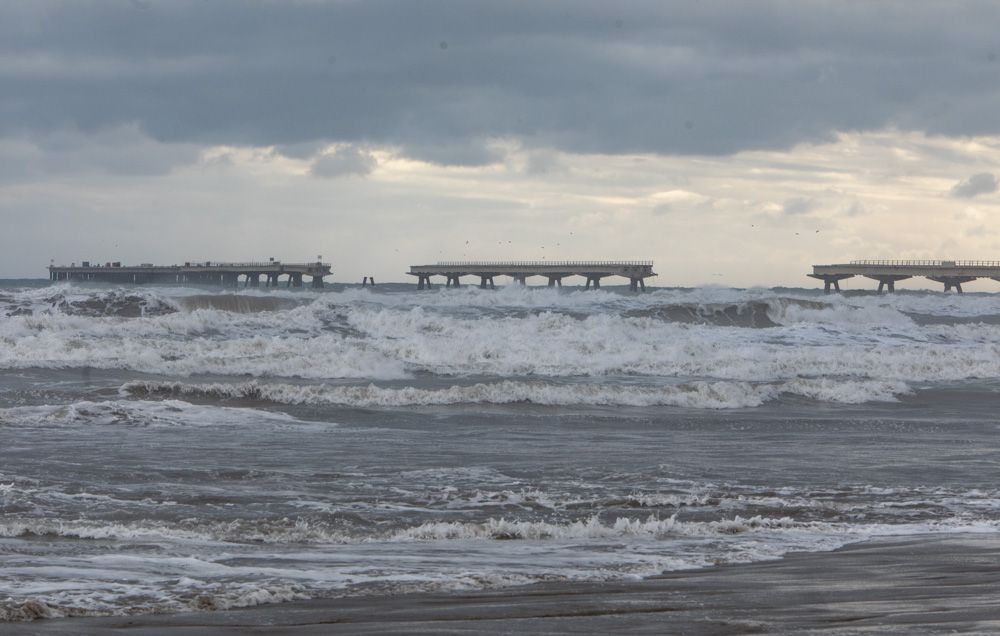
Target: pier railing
543, 263
255, 264
242, 265
931, 263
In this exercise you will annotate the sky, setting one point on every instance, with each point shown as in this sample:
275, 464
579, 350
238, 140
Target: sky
733, 143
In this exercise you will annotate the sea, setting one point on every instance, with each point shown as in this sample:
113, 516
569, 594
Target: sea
185, 449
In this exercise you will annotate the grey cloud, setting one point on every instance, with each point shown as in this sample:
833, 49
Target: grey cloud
854, 208
982, 183
304, 150
542, 162
454, 152
979, 231
799, 205
711, 77
345, 161
119, 151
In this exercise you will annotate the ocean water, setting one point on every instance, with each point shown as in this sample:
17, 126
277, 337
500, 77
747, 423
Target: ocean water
167, 449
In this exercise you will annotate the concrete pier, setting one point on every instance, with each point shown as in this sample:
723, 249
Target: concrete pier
952, 274
593, 271
203, 273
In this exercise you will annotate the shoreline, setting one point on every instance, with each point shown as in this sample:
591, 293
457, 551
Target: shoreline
932, 583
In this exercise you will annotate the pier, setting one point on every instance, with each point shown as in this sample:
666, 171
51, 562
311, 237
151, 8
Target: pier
952, 274
555, 271
273, 273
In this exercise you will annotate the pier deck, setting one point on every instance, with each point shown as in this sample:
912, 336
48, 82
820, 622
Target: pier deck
951, 273
520, 271
205, 272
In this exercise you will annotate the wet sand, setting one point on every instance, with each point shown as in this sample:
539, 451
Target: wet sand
932, 584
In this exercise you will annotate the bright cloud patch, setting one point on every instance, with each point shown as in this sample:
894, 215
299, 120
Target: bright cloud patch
345, 161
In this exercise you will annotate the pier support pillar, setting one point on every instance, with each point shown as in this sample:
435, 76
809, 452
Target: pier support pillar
486, 282
952, 281
453, 280
555, 281
317, 282
520, 279
833, 280
593, 280
635, 284
423, 281
295, 280
887, 282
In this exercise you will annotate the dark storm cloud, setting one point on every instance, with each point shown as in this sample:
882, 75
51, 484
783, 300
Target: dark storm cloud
982, 183
122, 151
438, 79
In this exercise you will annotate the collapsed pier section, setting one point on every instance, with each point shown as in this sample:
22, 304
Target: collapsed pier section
487, 271
952, 274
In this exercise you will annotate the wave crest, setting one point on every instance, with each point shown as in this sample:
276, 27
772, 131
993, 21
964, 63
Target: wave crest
699, 394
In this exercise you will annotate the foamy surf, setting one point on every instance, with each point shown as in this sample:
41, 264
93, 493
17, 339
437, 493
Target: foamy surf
360, 336
489, 554
168, 449
141, 414
698, 395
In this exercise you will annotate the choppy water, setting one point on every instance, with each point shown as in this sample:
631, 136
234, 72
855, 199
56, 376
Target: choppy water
176, 449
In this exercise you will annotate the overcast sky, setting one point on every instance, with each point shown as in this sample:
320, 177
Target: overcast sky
732, 142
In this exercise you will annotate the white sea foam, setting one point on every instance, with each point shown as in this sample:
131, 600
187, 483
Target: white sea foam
305, 531
196, 571
136, 413
700, 394
277, 531
387, 336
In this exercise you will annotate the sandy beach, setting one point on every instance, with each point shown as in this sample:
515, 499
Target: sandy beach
937, 584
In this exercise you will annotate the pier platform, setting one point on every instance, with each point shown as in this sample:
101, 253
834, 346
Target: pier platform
952, 274
205, 272
593, 271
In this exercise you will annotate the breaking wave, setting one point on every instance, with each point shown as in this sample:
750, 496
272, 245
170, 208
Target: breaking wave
751, 314
305, 531
716, 336
236, 303
138, 414
699, 395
